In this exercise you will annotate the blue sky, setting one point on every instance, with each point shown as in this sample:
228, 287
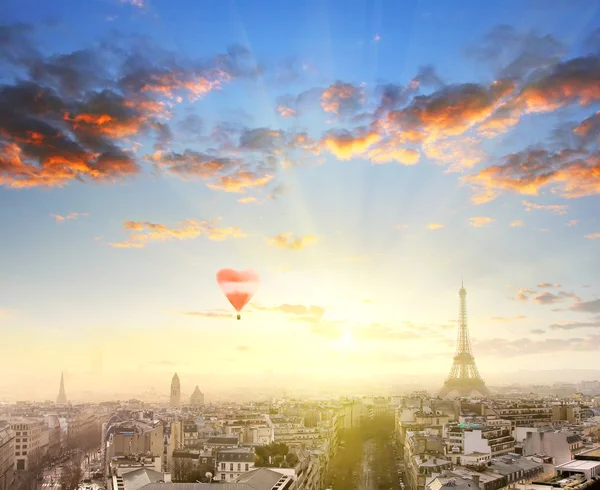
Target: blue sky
266, 122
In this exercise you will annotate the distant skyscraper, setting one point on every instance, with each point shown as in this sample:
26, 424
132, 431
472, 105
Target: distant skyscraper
197, 397
175, 392
464, 378
61, 399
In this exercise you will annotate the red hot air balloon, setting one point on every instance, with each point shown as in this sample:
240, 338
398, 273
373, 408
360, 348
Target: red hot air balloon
238, 286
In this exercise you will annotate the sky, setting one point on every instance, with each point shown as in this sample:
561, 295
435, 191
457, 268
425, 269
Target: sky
363, 158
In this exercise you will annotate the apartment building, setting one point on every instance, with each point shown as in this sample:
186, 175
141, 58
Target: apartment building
231, 463
7, 455
560, 445
29, 440
467, 438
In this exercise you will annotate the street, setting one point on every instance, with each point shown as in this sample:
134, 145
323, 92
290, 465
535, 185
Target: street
367, 480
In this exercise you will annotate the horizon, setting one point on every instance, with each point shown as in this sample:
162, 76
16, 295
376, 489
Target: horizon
362, 164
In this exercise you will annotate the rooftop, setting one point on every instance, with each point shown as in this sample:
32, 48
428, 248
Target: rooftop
578, 465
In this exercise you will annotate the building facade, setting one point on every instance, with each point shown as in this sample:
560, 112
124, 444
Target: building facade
7, 455
231, 463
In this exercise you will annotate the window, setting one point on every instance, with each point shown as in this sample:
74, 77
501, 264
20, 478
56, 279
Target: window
17, 453
24, 446
204, 460
239, 468
222, 476
25, 439
246, 466
18, 433
17, 447
24, 453
18, 440
230, 466
223, 466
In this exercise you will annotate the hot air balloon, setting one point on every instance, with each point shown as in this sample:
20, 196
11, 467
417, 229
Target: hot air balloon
238, 287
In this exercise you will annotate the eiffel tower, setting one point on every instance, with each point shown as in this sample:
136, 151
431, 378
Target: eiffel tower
464, 377
62, 396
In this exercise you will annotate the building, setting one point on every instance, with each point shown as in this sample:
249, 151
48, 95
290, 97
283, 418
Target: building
231, 463
197, 398
495, 440
133, 437
175, 392
560, 445
257, 479
7, 455
29, 439
61, 399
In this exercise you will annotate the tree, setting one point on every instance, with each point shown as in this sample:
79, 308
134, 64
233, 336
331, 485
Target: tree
72, 471
35, 469
181, 469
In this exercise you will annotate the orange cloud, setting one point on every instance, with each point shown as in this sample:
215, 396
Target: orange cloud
434, 226
142, 232
479, 221
69, 216
388, 152
345, 145
246, 200
240, 181
291, 242
593, 236
571, 173
285, 111
556, 208
572, 222
517, 223
341, 98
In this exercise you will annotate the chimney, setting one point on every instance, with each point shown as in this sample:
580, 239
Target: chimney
475, 479
167, 477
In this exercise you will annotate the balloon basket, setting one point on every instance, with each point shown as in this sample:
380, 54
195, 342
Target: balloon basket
239, 317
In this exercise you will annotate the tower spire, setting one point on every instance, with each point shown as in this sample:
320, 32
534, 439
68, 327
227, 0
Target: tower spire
61, 399
464, 377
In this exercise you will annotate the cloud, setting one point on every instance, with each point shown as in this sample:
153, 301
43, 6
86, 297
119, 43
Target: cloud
555, 208
547, 285
514, 54
291, 242
593, 236
208, 314
547, 298
59, 218
434, 226
450, 111
537, 331
285, 111
592, 306
346, 145
503, 348
480, 221
310, 314
507, 320
572, 222
135, 3
570, 173
574, 325
517, 223
342, 99
221, 173
143, 232
523, 294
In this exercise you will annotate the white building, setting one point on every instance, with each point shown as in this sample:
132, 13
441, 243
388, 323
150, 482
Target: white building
231, 463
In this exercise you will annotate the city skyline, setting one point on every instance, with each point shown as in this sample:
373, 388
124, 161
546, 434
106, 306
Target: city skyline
361, 164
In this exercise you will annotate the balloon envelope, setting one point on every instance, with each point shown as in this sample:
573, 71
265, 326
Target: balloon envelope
238, 286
